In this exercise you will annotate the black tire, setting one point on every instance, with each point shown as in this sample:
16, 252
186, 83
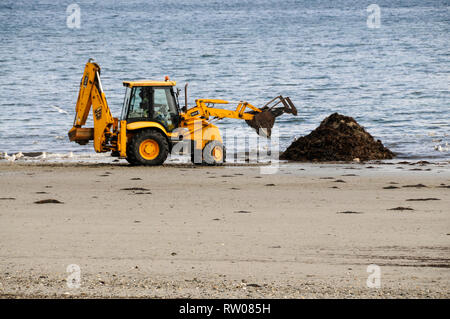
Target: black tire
135, 154
130, 160
209, 156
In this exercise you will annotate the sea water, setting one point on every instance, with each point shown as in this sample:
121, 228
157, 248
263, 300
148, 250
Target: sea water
390, 72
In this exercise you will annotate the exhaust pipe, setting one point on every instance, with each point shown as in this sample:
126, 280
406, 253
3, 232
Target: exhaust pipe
185, 98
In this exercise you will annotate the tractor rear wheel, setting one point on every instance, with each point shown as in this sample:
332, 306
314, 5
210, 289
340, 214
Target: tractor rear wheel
148, 147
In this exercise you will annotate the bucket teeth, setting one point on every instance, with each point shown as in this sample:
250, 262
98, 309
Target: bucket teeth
289, 106
263, 121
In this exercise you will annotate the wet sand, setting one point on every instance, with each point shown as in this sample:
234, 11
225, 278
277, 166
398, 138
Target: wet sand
309, 231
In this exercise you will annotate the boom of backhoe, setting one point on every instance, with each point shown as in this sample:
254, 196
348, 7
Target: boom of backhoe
105, 132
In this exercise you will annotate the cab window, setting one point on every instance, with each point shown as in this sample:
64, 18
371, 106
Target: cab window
156, 104
140, 104
126, 103
165, 110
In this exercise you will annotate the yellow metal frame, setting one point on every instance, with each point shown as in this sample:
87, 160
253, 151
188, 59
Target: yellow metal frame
148, 83
146, 124
123, 139
202, 109
200, 131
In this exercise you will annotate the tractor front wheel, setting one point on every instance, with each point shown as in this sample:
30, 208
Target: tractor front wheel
214, 153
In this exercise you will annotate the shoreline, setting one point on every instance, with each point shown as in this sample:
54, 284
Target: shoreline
185, 231
92, 157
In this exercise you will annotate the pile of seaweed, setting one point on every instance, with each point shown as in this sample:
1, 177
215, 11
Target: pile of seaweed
338, 138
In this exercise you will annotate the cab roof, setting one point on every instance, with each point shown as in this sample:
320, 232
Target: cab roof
149, 83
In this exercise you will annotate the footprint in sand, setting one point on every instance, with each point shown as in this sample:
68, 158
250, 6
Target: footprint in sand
134, 189
242, 212
137, 190
349, 212
421, 199
401, 208
416, 186
48, 201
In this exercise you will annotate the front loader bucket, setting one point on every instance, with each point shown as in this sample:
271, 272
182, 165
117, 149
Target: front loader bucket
263, 121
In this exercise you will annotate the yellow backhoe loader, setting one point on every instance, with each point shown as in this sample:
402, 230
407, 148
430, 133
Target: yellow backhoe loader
152, 122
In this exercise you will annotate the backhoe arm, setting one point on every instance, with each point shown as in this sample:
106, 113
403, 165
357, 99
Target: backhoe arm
91, 95
261, 119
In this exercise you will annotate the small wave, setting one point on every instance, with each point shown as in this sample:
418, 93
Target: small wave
442, 147
60, 110
53, 157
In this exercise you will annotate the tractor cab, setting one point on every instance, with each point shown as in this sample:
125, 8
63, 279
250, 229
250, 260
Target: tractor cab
151, 101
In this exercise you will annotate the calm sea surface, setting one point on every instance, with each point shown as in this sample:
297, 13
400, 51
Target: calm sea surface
394, 80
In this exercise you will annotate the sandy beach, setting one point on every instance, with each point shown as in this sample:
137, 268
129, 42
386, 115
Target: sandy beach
308, 231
